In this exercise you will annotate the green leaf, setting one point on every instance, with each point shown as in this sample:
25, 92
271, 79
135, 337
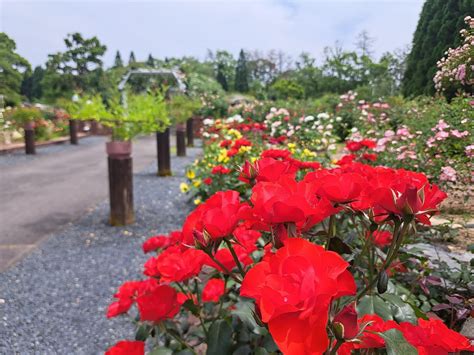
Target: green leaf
220, 336
401, 311
373, 304
142, 333
261, 351
337, 245
161, 351
396, 344
190, 306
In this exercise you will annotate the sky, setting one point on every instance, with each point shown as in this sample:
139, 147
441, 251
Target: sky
168, 28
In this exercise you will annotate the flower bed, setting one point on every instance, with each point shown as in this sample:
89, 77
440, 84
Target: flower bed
283, 254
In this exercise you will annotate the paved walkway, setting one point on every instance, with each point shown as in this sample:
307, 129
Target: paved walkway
41, 194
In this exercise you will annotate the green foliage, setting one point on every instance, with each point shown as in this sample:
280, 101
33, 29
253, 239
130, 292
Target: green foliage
285, 89
22, 115
200, 84
241, 73
118, 62
437, 30
221, 79
31, 86
13, 66
131, 59
396, 343
181, 108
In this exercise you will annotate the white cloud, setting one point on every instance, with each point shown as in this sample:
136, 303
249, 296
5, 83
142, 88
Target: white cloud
175, 28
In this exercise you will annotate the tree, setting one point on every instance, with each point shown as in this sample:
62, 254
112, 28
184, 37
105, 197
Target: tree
241, 73
12, 69
286, 89
150, 61
221, 79
31, 86
131, 59
118, 62
225, 60
437, 30
74, 69
364, 43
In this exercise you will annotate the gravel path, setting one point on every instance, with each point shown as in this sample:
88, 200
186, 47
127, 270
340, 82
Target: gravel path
54, 301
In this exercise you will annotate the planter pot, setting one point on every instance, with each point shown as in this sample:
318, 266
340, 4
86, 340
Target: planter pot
119, 149
29, 126
180, 127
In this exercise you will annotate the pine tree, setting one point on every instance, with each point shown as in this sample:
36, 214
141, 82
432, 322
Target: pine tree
118, 62
437, 30
220, 77
131, 59
31, 86
150, 61
241, 73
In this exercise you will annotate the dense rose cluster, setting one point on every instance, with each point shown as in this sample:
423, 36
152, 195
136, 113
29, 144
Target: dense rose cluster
457, 67
265, 248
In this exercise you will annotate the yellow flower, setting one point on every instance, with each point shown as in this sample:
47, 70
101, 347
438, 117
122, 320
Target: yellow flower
197, 201
292, 147
223, 158
244, 149
190, 174
253, 159
235, 133
197, 183
308, 153
184, 187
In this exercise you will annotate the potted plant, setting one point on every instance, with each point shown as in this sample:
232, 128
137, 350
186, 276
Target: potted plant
181, 108
25, 117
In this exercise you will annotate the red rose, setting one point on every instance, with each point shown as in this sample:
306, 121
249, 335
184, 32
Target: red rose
369, 156
381, 238
175, 265
341, 188
288, 201
156, 242
158, 304
353, 146
346, 159
269, 169
434, 337
207, 181
348, 319
127, 347
127, 294
276, 154
368, 143
213, 290
293, 290
215, 218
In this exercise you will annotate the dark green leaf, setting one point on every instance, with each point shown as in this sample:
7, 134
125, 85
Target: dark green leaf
396, 344
190, 306
261, 351
161, 351
401, 311
373, 304
337, 245
220, 337
142, 333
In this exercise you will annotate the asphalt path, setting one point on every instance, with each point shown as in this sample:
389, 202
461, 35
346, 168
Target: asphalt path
41, 194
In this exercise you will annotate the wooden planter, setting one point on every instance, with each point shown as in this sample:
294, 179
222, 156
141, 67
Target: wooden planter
163, 150
29, 138
181, 140
120, 182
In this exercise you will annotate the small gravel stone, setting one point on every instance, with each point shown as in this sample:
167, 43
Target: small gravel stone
54, 301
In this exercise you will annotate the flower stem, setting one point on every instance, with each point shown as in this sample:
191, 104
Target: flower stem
236, 259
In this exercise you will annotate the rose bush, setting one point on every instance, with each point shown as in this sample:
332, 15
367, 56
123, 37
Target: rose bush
304, 261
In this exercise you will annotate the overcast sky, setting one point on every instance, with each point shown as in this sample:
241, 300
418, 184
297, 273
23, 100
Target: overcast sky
190, 27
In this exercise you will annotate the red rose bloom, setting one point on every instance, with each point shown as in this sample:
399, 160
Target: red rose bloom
213, 290
368, 143
215, 218
127, 294
433, 337
219, 169
175, 265
127, 347
293, 290
382, 238
158, 304
207, 181
353, 146
276, 154
369, 156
